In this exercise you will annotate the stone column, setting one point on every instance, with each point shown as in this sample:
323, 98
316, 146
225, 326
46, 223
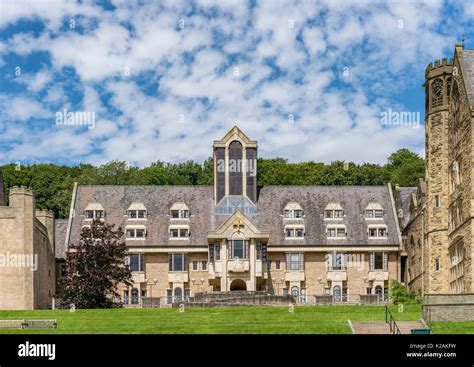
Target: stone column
224, 265
252, 257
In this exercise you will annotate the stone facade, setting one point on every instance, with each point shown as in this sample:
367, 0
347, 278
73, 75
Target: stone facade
27, 268
438, 234
306, 241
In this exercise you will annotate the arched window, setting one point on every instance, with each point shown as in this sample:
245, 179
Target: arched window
436, 93
379, 292
235, 168
295, 292
337, 293
134, 296
178, 294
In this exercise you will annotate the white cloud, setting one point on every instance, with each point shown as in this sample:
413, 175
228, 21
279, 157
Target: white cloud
189, 72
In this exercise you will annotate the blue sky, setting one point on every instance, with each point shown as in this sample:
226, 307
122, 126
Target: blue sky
308, 79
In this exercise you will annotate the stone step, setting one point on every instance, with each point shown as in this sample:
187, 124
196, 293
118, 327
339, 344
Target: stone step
381, 327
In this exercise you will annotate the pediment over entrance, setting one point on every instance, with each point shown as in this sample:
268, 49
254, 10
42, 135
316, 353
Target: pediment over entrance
238, 224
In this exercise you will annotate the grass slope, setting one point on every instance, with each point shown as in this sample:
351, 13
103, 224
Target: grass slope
229, 320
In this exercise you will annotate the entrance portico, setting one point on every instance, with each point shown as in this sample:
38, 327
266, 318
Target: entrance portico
240, 254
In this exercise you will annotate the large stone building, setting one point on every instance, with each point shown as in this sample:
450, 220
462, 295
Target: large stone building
340, 241
437, 215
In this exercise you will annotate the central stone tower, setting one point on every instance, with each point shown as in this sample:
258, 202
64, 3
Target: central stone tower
235, 173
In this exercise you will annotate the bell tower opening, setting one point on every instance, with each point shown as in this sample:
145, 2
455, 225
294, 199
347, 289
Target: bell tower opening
235, 172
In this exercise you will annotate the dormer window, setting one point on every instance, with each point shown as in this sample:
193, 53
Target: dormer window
374, 211
375, 231
136, 211
179, 232
333, 211
135, 232
179, 211
94, 211
294, 231
293, 210
336, 231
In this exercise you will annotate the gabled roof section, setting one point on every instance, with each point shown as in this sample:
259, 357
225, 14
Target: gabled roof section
466, 60
235, 134
238, 223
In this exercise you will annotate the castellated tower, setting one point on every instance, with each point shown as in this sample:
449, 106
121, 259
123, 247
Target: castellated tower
435, 252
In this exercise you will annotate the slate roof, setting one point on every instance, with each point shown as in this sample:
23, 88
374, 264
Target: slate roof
271, 202
60, 237
467, 66
405, 194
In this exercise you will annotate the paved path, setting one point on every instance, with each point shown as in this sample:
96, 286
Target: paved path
383, 327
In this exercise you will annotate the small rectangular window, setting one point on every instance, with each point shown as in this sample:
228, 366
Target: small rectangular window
140, 233
295, 263
264, 252
341, 232
289, 232
328, 214
299, 232
195, 265
259, 250
141, 214
382, 232
89, 214
288, 213
130, 233
132, 214
338, 213
183, 232
136, 262
372, 232
331, 232
218, 251
437, 267
369, 213
298, 213
174, 232
178, 264
437, 201
378, 261
211, 253
203, 265
379, 214
142, 262
175, 214
278, 264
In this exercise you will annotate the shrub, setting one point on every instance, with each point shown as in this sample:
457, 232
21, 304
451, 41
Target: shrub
400, 295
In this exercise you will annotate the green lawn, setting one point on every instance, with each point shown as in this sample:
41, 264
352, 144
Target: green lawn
453, 327
229, 320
